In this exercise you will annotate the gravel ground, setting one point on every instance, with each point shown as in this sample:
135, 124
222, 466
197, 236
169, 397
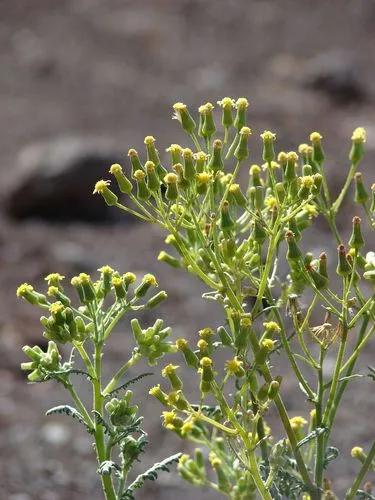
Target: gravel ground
110, 70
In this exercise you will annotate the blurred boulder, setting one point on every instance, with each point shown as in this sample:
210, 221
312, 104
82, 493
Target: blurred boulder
54, 181
338, 75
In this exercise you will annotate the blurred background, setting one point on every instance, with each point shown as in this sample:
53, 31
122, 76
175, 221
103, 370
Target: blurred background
81, 81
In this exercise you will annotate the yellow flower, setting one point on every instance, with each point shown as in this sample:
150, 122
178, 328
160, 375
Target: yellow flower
311, 210
132, 152
307, 181
359, 135
272, 165
214, 459
106, 270
227, 103
116, 168
272, 326
187, 427
129, 278
206, 362
171, 178
291, 156
268, 344
270, 202
174, 148
246, 131
203, 178
297, 423
168, 417
268, 136
149, 139
234, 366
179, 106
139, 175
315, 137
54, 278
52, 291
84, 278
254, 169
169, 370
24, 289
56, 308
201, 156
100, 186
150, 279
117, 281
357, 452
242, 103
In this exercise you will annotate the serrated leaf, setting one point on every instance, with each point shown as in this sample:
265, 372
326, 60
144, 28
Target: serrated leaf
129, 382
362, 495
71, 412
106, 468
331, 454
210, 411
150, 474
312, 435
100, 420
73, 371
306, 393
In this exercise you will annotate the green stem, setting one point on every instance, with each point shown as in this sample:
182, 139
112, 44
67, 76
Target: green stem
320, 448
361, 474
336, 376
108, 489
117, 377
348, 372
336, 205
85, 358
80, 405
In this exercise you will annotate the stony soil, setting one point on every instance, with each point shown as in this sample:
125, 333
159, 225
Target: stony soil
110, 70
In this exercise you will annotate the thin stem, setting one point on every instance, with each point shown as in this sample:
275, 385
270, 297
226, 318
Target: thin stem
99, 431
117, 377
336, 205
361, 474
320, 448
80, 405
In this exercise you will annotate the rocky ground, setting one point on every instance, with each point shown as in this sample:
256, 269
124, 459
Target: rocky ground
82, 81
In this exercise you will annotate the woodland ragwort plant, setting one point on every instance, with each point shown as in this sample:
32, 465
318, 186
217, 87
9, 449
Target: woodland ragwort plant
243, 243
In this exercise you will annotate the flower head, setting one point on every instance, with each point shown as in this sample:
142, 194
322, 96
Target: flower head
297, 423
100, 186
359, 135
24, 289
227, 103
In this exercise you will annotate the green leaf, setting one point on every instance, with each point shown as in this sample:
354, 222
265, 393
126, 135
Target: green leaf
362, 495
372, 372
71, 412
129, 382
150, 474
106, 468
331, 454
100, 420
312, 435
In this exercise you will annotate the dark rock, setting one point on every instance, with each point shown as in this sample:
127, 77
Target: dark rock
54, 181
337, 75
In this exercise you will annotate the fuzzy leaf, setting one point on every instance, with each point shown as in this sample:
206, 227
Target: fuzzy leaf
100, 420
150, 474
129, 382
331, 454
372, 373
362, 495
106, 468
312, 435
71, 412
